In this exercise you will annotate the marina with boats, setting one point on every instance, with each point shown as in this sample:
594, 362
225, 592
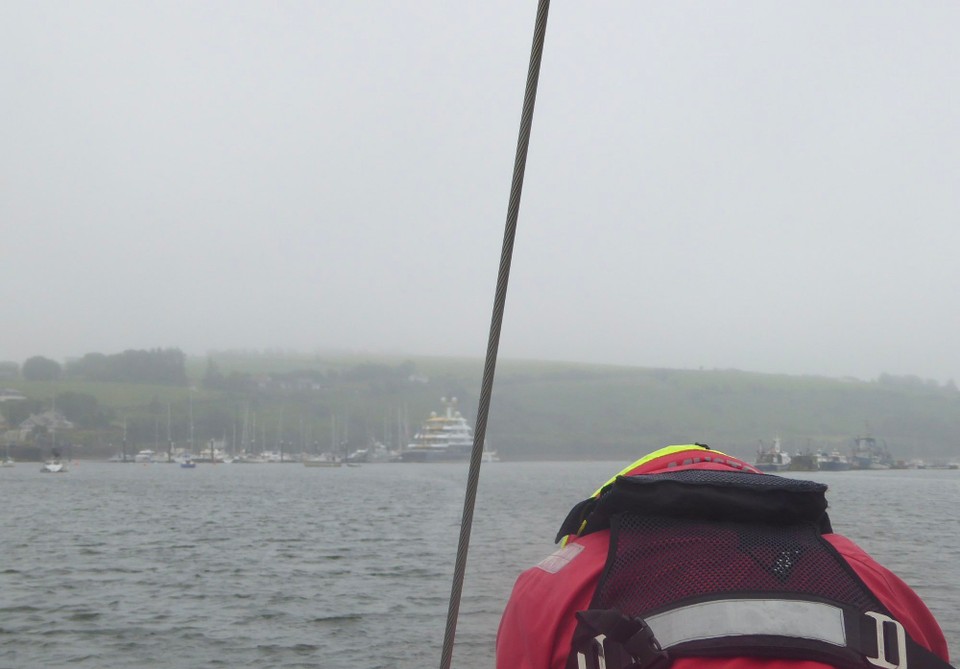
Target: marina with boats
865, 452
381, 413
444, 436
255, 436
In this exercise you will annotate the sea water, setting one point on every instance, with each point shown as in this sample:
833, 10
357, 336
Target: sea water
280, 565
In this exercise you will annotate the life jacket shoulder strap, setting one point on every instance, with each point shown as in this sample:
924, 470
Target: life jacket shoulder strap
787, 629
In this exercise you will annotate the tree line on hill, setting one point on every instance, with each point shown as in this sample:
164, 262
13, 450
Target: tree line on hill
156, 366
305, 378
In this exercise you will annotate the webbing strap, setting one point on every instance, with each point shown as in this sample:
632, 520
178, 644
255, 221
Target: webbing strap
773, 628
744, 617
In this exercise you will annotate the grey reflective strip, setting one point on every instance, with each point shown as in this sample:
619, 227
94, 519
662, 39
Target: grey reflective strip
741, 617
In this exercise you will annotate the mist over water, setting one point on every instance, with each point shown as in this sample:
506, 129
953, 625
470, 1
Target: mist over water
112, 566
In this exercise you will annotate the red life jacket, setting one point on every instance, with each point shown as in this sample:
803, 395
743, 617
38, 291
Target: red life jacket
727, 564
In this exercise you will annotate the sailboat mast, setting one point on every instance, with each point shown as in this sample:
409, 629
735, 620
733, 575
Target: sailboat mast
280, 436
190, 406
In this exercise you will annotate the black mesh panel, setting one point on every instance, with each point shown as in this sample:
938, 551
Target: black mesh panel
726, 478
662, 562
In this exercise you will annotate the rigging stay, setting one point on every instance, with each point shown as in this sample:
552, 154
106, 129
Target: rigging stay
493, 341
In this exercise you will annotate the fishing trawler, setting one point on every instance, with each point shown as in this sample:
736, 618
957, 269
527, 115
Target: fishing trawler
773, 459
834, 461
804, 462
869, 453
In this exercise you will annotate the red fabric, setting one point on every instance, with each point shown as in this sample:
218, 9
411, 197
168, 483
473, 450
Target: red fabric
538, 623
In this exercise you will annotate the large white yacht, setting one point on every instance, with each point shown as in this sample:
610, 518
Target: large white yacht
442, 438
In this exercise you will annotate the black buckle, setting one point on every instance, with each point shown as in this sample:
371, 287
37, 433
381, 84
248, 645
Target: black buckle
624, 642
644, 648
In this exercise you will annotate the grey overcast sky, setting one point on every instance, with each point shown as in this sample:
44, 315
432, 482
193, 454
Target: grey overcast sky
767, 186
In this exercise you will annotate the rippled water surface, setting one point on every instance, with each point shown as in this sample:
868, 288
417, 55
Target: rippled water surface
119, 566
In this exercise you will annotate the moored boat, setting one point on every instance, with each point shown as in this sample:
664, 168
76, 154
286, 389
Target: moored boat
804, 462
834, 461
325, 460
53, 466
773, 459
441, 438
870, 453
376, 452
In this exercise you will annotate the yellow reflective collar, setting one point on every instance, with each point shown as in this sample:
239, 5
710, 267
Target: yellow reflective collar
666, 450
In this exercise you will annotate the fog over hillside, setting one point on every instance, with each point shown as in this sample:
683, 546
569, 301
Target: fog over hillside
760, 186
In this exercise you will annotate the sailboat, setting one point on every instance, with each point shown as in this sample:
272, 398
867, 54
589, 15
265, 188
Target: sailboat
7, 461
326, 459
53, 465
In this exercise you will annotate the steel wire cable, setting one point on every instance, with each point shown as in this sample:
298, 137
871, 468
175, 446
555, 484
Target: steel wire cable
493, 342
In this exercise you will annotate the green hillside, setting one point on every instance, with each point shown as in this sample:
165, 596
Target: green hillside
625, 411
539, 409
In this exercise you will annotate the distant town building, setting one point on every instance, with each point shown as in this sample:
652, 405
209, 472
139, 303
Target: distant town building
47, 421
9, 395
